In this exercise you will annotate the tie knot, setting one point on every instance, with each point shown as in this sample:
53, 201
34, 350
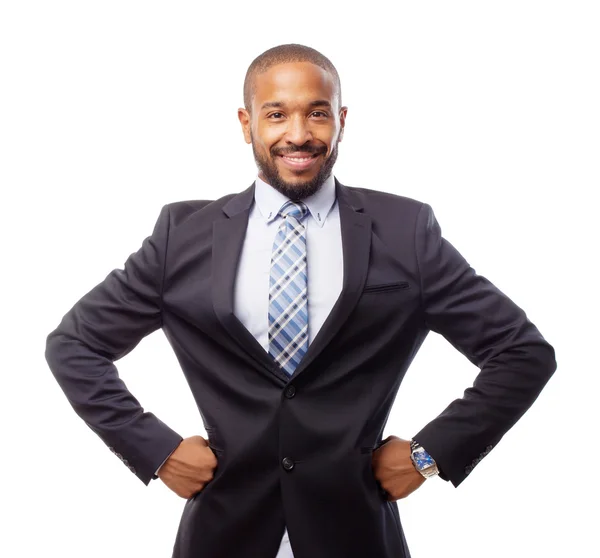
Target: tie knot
295, 209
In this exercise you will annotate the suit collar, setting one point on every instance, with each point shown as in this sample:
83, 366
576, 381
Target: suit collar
269, 200
243, 200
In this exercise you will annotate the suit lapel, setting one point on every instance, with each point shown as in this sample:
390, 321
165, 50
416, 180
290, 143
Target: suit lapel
228, 238
356, 244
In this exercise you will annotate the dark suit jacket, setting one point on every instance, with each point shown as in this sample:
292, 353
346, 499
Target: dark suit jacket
297, 451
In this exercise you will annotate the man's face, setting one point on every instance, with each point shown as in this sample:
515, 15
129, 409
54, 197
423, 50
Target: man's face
295, 127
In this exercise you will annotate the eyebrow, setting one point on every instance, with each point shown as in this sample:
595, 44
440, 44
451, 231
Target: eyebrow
279, 104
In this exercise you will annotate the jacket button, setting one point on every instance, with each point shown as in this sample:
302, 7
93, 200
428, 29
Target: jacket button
287, 463
290, 391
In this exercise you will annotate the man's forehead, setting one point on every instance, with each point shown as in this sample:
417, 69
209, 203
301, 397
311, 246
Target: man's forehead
294, 82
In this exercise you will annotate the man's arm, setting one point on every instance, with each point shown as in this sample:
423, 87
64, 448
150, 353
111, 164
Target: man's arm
102, 327
495, 334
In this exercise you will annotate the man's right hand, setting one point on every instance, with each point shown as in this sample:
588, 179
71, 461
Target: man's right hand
189, 468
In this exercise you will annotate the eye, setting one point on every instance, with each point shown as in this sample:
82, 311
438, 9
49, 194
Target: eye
274, 114
320, 112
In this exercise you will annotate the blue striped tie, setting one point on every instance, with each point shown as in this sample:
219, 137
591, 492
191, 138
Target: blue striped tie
288, 302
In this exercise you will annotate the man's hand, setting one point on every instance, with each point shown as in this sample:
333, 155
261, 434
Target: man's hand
189, 468
394, 469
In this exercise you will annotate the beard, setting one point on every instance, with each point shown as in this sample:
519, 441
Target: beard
295, 190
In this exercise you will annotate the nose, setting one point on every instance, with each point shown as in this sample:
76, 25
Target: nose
298, 131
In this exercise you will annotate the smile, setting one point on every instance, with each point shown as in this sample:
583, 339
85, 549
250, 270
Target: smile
299, 163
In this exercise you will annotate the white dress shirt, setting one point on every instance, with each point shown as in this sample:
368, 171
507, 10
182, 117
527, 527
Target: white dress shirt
324, 264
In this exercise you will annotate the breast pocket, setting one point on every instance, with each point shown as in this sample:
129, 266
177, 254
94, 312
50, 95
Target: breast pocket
386, 287
383, 309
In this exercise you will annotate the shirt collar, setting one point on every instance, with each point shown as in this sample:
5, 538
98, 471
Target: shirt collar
269, 200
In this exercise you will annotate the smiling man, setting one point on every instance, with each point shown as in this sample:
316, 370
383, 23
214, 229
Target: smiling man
295, 308
294, 120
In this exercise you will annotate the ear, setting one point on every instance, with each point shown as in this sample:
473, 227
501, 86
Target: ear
343, 113
244, 118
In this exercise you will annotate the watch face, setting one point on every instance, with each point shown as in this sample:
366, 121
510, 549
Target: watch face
423, 459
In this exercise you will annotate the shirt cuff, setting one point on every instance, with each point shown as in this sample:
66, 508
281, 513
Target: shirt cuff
157, 470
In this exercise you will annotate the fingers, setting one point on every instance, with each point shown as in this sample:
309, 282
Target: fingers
191, 468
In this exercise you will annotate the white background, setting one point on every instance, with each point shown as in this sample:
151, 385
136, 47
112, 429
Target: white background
488, 111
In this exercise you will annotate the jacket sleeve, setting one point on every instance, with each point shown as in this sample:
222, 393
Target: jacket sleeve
102, 327
495, 334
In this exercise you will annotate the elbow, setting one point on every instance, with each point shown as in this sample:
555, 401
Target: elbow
53, 351
548, 359
543, 358
60, 352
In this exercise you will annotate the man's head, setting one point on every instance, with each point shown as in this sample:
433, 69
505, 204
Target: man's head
293, 98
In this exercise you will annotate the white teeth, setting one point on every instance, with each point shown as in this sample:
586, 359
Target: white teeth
301, 159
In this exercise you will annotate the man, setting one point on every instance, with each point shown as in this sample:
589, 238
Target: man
295, 308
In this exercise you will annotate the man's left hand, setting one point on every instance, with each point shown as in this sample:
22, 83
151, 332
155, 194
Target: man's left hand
394, 469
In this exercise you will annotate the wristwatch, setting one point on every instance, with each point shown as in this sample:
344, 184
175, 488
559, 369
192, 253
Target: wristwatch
422, 461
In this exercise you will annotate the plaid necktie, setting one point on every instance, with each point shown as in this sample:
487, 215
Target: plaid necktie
288, 303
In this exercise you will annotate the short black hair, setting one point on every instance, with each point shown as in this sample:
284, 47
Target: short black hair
280, 55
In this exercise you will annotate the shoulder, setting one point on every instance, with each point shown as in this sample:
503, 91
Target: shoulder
383, 205
182, 210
